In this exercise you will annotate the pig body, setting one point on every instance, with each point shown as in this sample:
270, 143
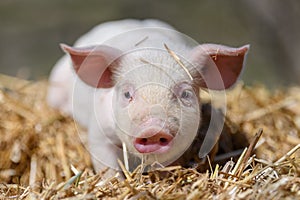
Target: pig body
138, 85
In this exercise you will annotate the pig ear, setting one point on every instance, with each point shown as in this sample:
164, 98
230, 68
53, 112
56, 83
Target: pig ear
92, 64
219, 66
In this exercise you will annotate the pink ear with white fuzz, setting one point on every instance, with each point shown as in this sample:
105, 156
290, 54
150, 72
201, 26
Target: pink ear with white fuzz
219, 66
92, 64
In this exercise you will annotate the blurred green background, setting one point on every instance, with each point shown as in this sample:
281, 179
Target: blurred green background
31, 30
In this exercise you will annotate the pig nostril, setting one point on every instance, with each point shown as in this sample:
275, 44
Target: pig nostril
163, 141
143, 141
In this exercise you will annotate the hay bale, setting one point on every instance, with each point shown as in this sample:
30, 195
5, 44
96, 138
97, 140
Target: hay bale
43, 156
35, 136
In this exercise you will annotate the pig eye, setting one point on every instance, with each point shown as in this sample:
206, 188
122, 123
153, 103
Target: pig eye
127, 95
187, 97
186, 94
126, 92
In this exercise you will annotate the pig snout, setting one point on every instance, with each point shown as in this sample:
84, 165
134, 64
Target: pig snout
150, 142
154, 136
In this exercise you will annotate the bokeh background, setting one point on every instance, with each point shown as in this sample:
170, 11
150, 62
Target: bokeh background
31, 30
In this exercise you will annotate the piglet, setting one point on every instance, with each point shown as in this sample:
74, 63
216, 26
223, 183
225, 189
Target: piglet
135, 84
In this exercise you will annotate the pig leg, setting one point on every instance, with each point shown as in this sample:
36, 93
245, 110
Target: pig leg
104, 146
104, 154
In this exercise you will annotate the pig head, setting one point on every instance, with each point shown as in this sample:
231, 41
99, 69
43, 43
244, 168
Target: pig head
147, 98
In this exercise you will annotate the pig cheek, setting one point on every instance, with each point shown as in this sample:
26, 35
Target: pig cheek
188, 127
122, 122
121, 106
127, 117
124, 125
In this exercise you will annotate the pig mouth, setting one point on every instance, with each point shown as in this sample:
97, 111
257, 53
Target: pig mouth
157, 143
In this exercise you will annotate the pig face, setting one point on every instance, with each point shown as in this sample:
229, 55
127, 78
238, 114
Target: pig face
156, 105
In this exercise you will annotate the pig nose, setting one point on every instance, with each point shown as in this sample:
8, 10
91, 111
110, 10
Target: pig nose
158, 143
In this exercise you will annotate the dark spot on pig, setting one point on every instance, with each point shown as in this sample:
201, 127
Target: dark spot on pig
143, 141
163, 141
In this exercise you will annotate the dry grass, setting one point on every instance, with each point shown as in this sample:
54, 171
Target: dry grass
42, 156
